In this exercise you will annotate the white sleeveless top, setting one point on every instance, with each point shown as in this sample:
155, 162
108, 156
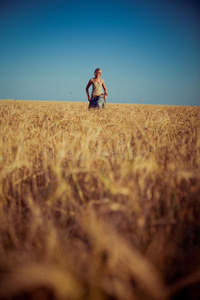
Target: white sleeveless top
96, 88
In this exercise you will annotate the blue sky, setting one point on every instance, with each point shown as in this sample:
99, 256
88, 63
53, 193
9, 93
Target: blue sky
148, 50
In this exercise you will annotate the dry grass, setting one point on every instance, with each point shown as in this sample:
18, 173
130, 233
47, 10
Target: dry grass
99, 205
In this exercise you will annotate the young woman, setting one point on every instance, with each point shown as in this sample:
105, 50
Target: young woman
97, 99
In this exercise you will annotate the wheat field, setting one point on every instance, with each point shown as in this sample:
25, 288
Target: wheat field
101, 204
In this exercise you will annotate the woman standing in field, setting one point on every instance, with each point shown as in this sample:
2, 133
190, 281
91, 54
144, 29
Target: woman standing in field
97, 99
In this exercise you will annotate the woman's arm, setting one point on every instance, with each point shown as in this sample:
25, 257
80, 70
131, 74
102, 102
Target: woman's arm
87, 89
105, 89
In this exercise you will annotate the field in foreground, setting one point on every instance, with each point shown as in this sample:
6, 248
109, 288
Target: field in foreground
99, 205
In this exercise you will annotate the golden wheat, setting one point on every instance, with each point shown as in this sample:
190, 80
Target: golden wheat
99, 205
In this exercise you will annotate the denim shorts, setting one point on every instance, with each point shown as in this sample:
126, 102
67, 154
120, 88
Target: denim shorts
97, 102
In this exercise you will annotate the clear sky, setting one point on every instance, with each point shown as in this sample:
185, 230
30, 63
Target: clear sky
148, 50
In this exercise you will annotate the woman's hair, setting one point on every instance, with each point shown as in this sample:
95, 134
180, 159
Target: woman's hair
97, 70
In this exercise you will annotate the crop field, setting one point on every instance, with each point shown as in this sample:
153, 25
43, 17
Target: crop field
99, 204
